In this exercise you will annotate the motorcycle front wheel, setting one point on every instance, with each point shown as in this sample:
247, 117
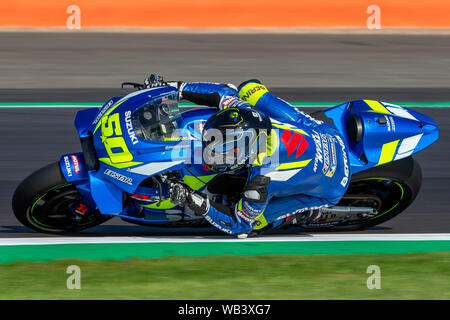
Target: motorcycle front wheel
45, 202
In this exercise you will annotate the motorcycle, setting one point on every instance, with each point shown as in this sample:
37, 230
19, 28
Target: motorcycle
124, 167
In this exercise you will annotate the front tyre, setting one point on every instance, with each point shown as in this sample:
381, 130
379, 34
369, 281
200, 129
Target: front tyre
44, 202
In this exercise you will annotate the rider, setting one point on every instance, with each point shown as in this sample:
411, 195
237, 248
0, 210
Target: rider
296, 164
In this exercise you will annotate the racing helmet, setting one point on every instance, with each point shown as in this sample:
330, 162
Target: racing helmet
232, 138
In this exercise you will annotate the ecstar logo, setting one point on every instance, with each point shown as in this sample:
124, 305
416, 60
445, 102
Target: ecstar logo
119, 177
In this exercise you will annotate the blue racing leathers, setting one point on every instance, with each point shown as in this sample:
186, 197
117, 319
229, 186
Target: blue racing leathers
305, 166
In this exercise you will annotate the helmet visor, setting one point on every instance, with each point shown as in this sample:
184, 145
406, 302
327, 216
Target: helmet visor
229, 149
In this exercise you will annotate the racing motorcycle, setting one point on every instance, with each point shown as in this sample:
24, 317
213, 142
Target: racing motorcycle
125, 165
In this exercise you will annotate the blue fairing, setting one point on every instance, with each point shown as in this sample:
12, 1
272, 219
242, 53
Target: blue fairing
402, 132
74, 171
73, 168
408, 131
148, 157
88, 117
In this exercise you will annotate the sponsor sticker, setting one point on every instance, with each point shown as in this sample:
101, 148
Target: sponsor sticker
319, 153
252, 90
68, 166
301, 210
232, 102
249, 210
244, 216
326, 155
218, 226
331, 157
344, 180
130, 129
102, 112
227, 101
323, 224
82, 209
119, 177
76, 164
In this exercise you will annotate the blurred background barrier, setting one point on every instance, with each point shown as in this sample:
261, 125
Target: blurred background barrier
225, 13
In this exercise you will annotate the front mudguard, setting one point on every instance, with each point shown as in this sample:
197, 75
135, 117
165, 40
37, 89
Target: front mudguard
95, 192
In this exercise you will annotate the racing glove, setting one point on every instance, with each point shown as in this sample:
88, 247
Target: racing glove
181, 195
220, 216
157, 80
154, 80
232, 102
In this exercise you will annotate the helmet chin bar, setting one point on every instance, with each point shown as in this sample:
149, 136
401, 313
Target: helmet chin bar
229, 164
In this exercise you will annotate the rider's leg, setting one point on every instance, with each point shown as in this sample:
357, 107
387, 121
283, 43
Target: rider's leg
304, 206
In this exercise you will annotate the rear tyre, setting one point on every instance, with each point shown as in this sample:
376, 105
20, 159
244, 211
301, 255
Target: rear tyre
44, 202
393, 188
389, 188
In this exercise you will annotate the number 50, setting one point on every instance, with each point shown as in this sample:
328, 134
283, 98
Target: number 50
116, 147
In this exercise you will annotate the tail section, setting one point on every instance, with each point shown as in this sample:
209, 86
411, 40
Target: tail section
380, 132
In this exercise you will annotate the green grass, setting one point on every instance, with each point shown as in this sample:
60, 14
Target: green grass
403, 276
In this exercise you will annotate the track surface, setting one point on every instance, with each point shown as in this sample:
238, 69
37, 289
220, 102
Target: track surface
104, 60
32, 138
68, 66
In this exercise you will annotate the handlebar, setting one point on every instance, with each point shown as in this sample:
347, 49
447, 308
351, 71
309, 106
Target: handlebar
135, 85
154, 80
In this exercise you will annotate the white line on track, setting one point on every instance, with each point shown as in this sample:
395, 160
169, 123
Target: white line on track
202, 239
98, 106
74, 106
48, 107
77, 106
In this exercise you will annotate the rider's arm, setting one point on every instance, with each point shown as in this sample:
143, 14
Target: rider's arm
250, 93
234, 221
211, 94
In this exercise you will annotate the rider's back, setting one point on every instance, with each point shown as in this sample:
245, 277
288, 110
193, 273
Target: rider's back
310, 160
307, 157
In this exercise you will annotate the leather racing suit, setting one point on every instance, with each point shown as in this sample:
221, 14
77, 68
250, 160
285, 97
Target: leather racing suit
305, 167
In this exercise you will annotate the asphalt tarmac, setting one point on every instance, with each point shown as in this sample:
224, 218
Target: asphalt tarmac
104, 60
32, 138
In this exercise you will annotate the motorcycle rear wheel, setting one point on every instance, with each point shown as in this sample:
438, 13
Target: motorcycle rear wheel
395, 185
